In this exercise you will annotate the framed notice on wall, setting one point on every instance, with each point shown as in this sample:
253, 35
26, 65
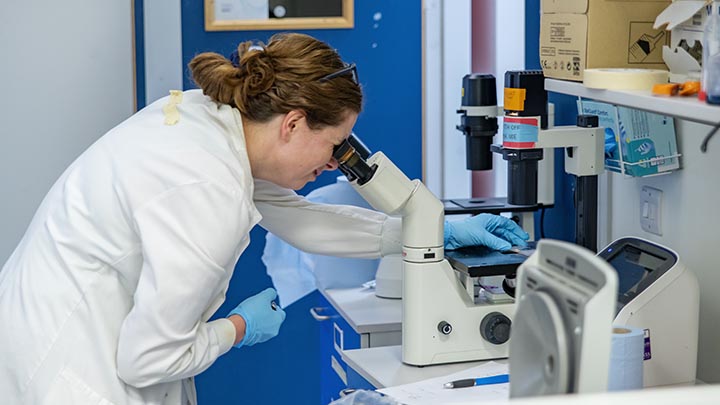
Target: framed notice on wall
236, 15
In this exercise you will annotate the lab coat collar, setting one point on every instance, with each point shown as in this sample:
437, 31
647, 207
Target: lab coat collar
236, 139
236, 135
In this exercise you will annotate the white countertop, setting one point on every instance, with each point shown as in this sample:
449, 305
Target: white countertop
364, 311
383, 366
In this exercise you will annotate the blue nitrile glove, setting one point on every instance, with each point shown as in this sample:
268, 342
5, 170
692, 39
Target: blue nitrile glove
493, 231
262, 317
610, 144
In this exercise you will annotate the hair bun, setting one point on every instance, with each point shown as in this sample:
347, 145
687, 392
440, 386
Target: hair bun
256, 70
262, 82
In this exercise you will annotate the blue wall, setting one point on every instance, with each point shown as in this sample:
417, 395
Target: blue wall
560, 220
138, 20
387, 51
389, 67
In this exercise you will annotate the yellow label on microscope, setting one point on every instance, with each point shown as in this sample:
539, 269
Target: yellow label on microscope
514, 99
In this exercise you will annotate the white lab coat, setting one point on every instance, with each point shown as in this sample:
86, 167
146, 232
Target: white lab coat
295, 273
106, 300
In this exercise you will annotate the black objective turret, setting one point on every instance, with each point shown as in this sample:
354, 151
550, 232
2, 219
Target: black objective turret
478, 121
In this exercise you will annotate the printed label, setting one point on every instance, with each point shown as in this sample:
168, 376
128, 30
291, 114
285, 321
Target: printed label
646, 43
520, 132
648, 354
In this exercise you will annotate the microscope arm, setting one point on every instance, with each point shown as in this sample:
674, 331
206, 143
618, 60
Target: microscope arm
586, 146
584, 158
391, 192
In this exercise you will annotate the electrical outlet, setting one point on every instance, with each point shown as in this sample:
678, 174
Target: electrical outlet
651, 209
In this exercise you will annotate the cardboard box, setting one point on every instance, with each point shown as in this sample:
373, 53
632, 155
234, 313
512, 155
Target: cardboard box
580, 34
685, 20
645, 143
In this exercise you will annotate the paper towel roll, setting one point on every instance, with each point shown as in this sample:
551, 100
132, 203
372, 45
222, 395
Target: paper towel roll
626, 359
624, 79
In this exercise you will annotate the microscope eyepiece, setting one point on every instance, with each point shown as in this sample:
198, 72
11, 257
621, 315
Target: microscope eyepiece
343, 152
351, 161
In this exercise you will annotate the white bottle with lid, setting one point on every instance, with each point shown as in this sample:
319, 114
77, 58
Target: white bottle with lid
711, 55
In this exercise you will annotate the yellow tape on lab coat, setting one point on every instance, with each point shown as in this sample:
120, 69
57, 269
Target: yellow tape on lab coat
172, 115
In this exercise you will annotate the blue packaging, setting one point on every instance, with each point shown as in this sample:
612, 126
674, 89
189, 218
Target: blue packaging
637, 143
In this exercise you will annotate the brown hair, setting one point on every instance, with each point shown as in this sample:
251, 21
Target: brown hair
282, 76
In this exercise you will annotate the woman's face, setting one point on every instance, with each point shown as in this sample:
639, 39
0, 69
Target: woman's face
308, 152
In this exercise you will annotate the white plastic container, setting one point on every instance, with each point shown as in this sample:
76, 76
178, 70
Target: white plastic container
711, 55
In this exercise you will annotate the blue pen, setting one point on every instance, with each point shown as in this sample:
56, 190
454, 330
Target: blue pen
472, 382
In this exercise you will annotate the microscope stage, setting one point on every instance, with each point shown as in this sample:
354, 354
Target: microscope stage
490, 205
479, 261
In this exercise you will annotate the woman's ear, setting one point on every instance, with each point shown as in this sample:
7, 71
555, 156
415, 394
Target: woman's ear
291, 123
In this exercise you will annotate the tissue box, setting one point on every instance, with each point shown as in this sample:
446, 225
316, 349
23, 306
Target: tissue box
686, 21
645, 143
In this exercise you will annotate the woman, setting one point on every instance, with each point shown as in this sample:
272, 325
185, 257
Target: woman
108, 295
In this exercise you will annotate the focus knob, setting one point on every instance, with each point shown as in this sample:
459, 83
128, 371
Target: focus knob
444, 328
495, 328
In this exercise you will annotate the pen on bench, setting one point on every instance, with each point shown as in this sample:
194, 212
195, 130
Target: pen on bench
472, 382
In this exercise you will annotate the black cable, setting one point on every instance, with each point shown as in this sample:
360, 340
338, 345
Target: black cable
542, 223
703, 146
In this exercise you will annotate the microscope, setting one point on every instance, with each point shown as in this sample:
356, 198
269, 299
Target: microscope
445, 320
479, 125
526, 140
526, 136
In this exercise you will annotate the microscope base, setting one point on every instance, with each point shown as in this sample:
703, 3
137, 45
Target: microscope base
441, 321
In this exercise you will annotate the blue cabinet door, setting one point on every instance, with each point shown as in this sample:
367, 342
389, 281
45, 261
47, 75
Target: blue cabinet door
335, 335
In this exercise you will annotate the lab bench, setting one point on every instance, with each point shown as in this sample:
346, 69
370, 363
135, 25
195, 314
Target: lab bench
352, 318
382, 367
360, 344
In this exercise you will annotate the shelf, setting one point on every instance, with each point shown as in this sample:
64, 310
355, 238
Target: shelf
679, 107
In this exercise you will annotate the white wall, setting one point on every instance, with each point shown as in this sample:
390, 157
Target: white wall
457, 62
432, 94
509, 55
447, 58
690, 224
67, 72
163, 48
